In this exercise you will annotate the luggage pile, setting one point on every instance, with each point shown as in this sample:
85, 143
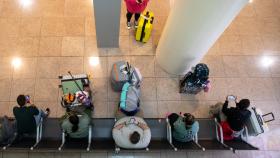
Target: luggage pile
196, 80
127, 79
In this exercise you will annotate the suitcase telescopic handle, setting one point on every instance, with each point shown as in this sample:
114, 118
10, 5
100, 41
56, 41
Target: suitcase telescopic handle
271, 114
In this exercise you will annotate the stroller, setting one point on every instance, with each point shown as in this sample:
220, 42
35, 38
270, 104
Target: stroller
196, 80
76, 92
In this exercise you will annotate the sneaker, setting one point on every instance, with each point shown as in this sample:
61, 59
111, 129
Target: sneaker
136, 24
128, 25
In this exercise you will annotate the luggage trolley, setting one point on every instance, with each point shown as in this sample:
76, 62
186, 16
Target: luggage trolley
71, 85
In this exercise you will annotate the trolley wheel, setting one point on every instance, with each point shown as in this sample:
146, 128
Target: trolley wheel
60, 77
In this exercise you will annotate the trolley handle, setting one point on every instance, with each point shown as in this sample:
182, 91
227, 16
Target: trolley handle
271, 114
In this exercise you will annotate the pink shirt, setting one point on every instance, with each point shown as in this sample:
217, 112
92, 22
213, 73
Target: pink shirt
134, 7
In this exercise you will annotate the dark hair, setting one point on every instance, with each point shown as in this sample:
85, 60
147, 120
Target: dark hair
134, 137
21, 100
140, 1
243, 104
188, 119
74, 120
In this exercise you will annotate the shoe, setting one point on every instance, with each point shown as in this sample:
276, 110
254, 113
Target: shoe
136, 24
128, 24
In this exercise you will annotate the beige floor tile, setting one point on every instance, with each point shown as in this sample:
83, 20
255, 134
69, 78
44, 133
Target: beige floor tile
238, 87
112, 108
168, 89
100, 89
34, 10
27, 47
22, 86
150, 109
261, 89
15, 154
251, 45
218, 90
8, 46
73, 46
10, 8
195, 154
78, 8
148, 89
42, 155
91, 49
50, 46
46, 90
160, 72
90, 26
96, 67
266, 10
5, 89
5, 109
123, 47
138, 48
9, 27
27, 69
30, 27
270, 26
53, 27
271, 43
112, 95
276, 84
165, 107
74, 26
146, 65
215, 65
75, 66
247, 25
6, 68
97, 155
48, 67
100, 109
54, 8
235, 66
256, 67
230, 45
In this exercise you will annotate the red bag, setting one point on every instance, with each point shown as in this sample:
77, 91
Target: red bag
227, 131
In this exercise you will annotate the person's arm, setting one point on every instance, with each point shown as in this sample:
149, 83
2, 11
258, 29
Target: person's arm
143, 126
119, 126
34, 110
225, 109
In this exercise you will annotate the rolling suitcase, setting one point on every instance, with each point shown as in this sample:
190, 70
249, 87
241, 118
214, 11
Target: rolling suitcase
145, 26
256, 124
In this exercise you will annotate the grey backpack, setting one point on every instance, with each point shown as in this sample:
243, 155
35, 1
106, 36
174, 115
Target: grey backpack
130, 99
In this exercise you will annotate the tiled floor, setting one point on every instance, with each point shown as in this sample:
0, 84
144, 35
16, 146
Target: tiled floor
52, 37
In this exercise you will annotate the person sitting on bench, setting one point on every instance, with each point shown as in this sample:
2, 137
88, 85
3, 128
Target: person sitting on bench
184, 128
232, 119
131, 133
75, 124
27, 115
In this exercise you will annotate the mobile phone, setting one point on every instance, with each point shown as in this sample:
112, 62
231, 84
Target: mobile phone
27, 97
231, 98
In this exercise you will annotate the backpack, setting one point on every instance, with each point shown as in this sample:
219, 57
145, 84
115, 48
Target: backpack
7, 131
130, 99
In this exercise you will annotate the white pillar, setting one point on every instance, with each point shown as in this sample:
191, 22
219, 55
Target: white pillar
191, 29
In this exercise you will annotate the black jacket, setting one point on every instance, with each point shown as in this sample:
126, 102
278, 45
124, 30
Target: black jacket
235, 117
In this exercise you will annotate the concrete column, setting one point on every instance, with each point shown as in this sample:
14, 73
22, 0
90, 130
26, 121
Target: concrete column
191, 29
107, 22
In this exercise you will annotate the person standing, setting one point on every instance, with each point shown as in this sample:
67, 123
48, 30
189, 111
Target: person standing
135, 7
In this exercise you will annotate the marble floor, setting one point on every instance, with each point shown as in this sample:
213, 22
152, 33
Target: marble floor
51, 37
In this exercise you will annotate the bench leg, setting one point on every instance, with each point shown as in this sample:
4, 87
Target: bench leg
63, 141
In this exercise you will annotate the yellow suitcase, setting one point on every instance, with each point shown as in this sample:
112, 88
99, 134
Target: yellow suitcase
145, 26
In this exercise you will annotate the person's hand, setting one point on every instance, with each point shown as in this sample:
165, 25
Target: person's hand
143, 125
